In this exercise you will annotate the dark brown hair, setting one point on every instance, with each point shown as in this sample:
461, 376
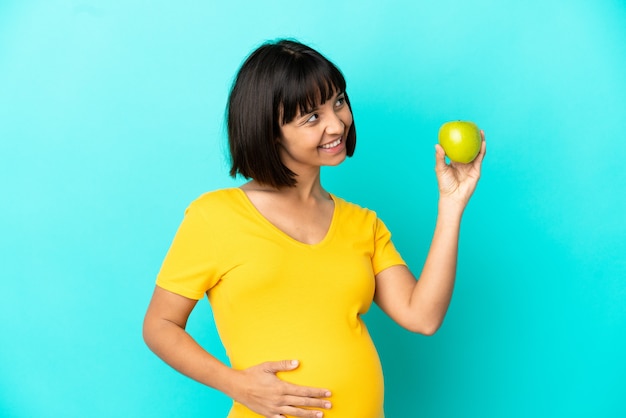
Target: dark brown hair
278, 80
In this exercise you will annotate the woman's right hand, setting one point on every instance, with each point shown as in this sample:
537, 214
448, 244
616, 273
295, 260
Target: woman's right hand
259, 389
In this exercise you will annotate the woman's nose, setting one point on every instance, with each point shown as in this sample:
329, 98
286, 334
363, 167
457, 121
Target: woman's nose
335, 125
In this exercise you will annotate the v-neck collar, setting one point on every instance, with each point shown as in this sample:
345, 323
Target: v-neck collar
253, 209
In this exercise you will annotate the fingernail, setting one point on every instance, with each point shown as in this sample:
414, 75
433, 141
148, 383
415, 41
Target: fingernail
327, 405
294, 362
327, 394
319, 414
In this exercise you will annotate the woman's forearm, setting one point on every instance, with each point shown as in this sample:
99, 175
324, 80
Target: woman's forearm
178, 349
433, 291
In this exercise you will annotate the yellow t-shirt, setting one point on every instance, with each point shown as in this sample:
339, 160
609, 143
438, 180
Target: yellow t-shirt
275, 298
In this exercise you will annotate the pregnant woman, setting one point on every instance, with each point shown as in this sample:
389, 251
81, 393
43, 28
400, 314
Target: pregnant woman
288, 267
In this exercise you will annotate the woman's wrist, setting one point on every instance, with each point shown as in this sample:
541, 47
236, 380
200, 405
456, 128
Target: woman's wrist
231, 383
450, 210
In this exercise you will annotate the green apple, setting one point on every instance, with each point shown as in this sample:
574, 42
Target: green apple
460, 140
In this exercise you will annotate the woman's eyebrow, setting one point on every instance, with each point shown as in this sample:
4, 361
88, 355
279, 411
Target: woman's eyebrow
333, 97
309, 110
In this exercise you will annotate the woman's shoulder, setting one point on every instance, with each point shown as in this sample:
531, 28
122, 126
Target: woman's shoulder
217, 200
218, 195
351, 209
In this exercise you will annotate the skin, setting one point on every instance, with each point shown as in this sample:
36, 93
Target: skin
305, 212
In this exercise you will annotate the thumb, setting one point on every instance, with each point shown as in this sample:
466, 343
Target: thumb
440, 158
281, 366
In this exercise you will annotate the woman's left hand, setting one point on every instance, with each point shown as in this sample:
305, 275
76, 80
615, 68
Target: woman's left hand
458, 181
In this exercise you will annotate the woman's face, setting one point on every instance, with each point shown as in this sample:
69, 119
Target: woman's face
317, 138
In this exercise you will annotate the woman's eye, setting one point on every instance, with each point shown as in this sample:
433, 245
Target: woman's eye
312, 118
340, 101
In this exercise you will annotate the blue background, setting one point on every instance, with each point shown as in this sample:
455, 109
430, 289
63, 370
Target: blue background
111, 122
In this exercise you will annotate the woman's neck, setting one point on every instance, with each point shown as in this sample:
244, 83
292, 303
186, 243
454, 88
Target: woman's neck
305, 189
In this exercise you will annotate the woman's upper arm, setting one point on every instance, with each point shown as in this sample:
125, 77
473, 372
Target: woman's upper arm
394, 287
169, 306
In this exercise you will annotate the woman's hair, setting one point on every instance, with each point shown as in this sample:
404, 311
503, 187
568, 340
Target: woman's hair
278, 80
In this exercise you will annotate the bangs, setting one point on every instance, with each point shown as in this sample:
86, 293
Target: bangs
307, 84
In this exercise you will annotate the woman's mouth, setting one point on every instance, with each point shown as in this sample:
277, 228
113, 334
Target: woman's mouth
332, 144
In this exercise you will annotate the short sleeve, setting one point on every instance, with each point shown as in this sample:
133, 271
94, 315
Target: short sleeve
385, 253
189, 267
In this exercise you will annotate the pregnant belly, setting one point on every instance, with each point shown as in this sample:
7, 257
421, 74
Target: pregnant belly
348, 365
